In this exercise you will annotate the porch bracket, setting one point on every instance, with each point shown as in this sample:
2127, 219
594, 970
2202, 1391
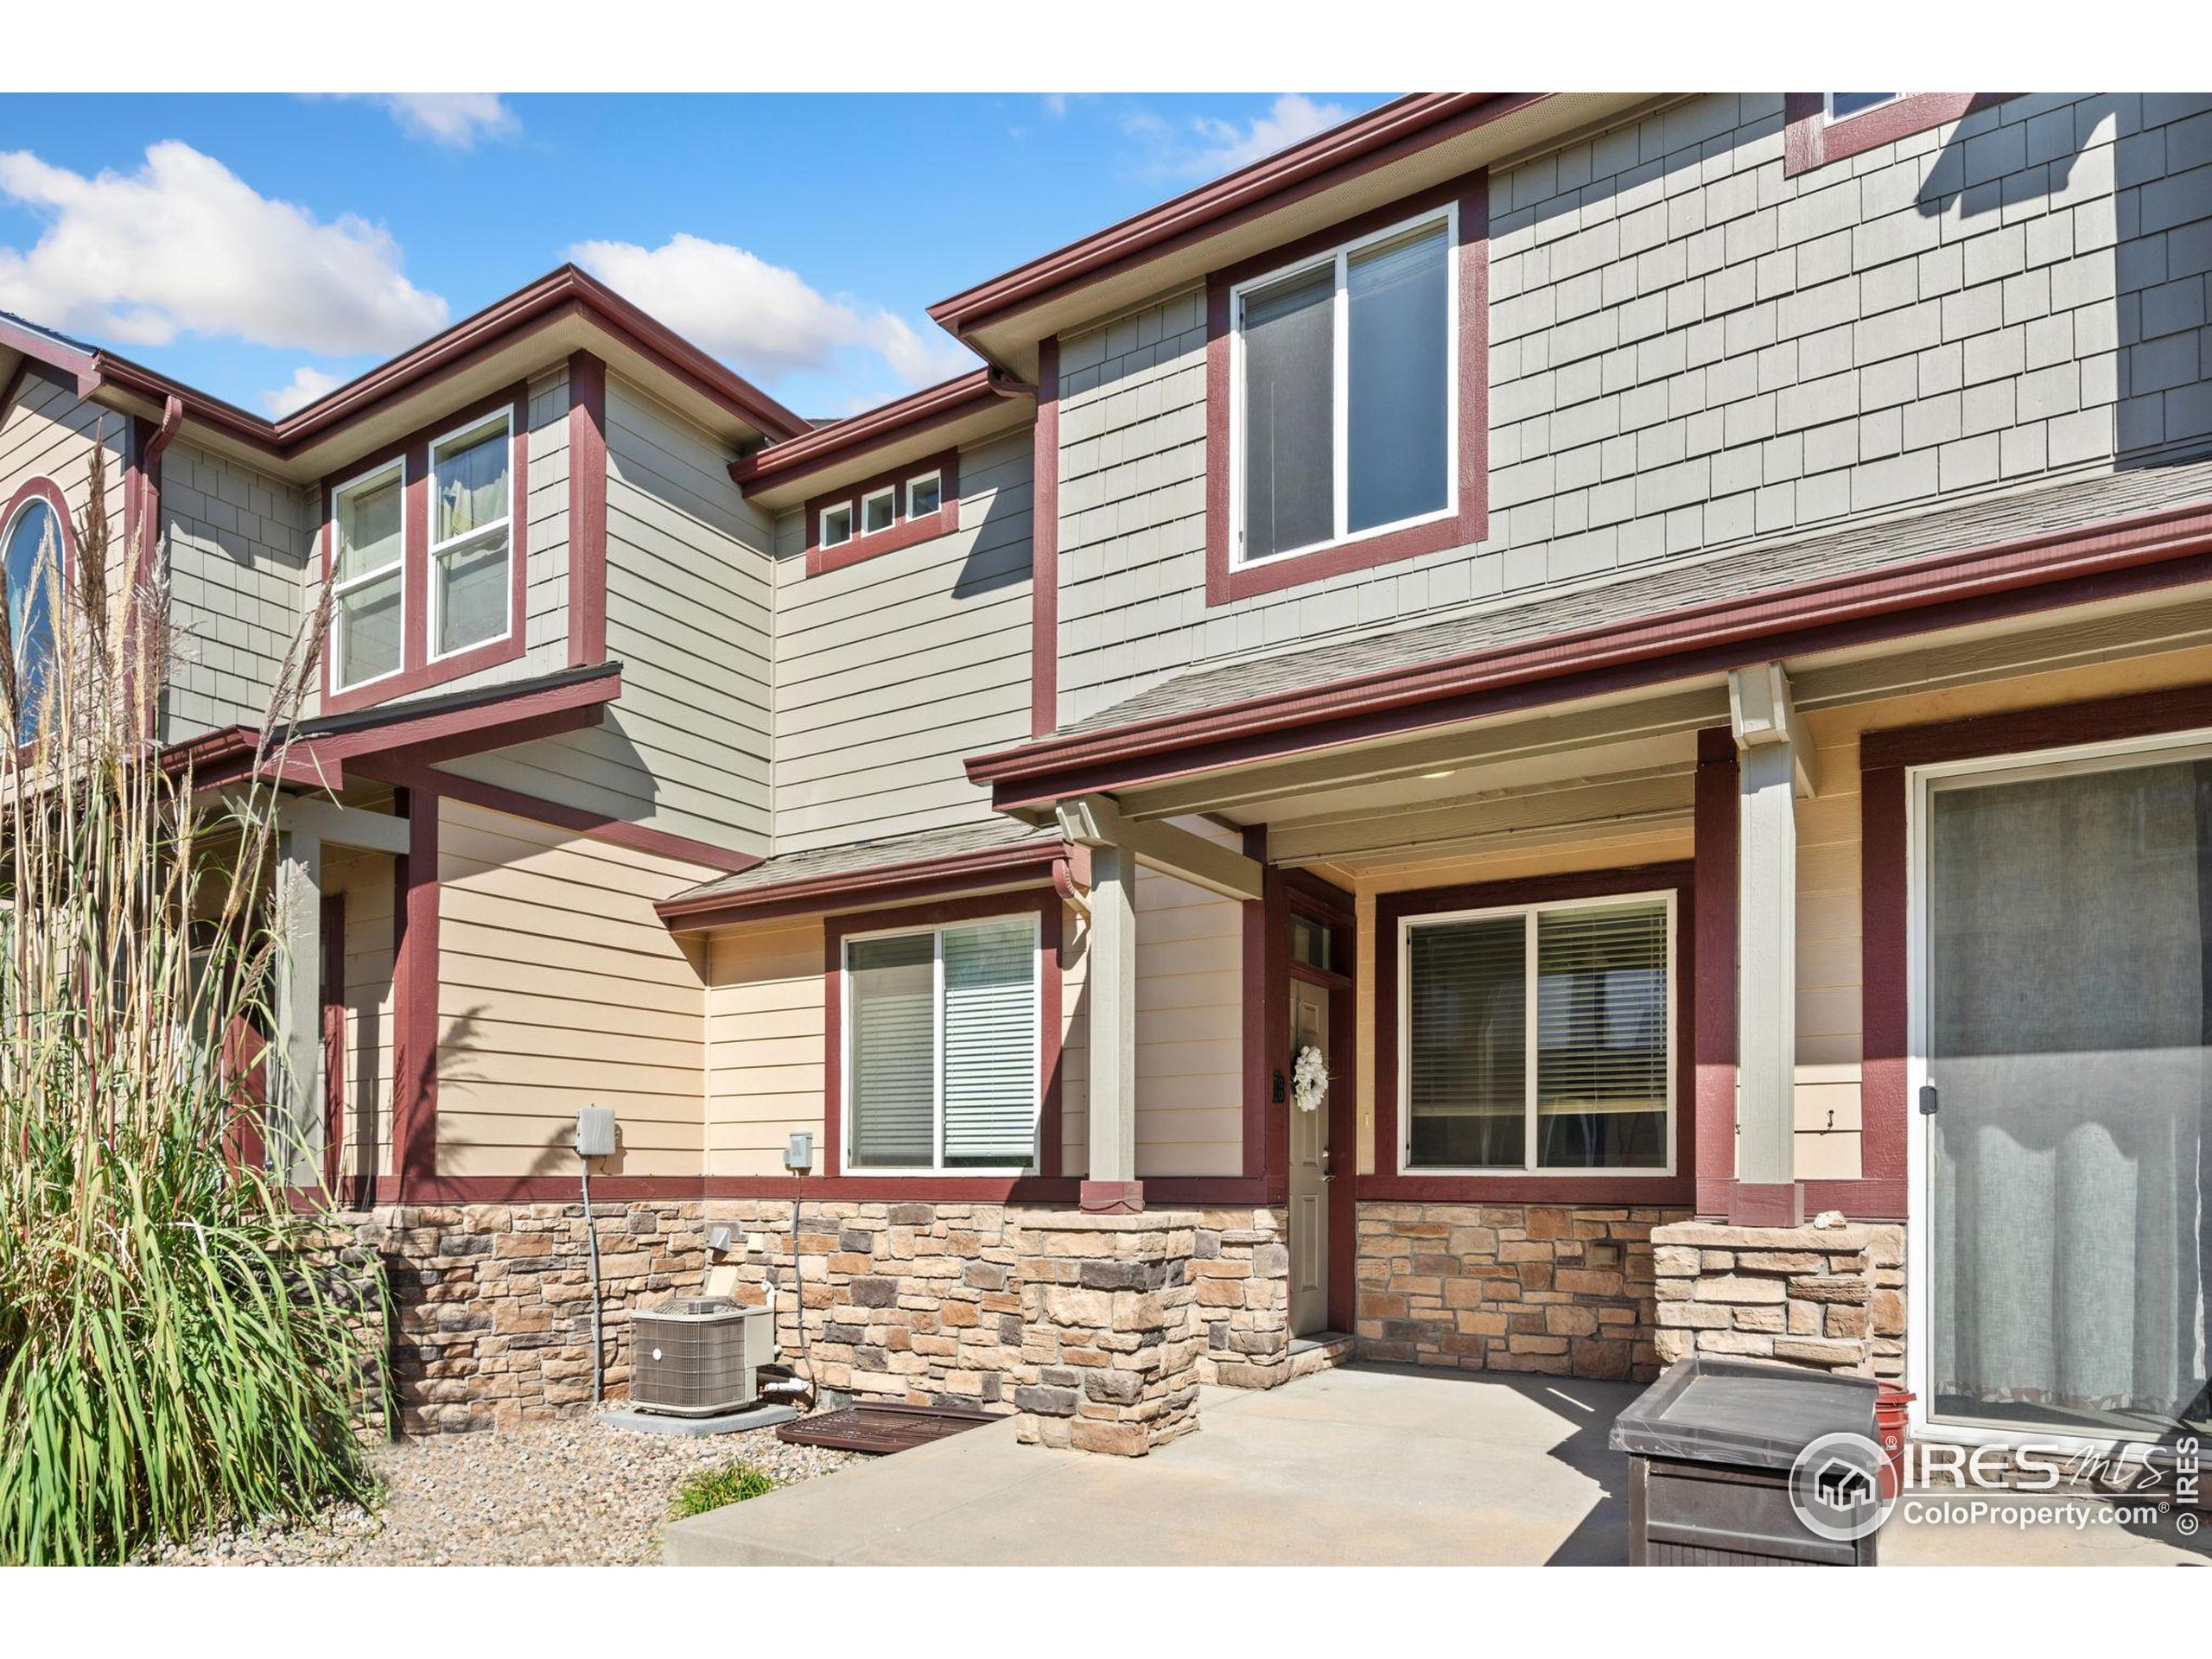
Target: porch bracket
1098, 821
1776, 768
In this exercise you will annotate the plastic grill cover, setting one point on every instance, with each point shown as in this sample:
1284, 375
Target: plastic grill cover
1707, 1410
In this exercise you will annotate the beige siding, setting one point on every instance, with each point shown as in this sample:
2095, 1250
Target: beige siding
559, 987
238, 550
764, 1054
891, 672
365, 879
1688, 350
1190, 1031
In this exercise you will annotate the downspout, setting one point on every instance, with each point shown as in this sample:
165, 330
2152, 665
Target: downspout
148, 537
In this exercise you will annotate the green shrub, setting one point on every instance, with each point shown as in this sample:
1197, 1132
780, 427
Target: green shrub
171, 1355
710, 1489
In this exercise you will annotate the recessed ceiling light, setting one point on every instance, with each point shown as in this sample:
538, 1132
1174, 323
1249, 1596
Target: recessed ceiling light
1447, 772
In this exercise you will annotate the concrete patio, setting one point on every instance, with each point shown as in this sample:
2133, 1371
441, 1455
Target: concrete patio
1362, 1466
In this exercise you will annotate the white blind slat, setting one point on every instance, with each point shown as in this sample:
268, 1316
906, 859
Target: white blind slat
991, 1043
893, 1015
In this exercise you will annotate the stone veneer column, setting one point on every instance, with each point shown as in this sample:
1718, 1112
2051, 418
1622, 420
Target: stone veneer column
1829, 1297
1107, 1305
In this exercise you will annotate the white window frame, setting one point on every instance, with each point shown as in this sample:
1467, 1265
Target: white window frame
936, 474
505, 417
1827, 107
336, 656
888, 493
1340, 449
845, 1072
1529, 1165
822, 524
1921, 782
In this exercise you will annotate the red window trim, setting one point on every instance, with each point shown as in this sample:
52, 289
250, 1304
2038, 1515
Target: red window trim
1226, 583
1045, 1186
45, 489
417, 672
1391, 908
1811, 140
903, 532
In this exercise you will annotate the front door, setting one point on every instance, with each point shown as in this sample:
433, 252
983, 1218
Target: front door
2064, 1013
1309, 1169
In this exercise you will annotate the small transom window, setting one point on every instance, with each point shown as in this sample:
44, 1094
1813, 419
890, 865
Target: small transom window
836, 525
1843, 105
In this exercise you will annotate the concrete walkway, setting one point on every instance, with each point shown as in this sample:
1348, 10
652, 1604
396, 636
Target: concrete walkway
1364, 1467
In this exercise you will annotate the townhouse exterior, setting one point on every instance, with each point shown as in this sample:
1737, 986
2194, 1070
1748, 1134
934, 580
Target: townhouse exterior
1464, 733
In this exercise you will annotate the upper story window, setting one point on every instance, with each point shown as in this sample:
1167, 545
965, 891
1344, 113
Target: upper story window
1346, 396
427, 551
471, 535
941, 1059
1539, 1038
1344, 415
1841, 106
368, 585
36, 565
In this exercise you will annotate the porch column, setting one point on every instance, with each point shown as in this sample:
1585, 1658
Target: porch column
1110, 979
1776, 762
294, 1129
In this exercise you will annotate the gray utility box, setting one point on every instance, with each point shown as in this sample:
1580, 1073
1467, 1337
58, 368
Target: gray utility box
1710, 1447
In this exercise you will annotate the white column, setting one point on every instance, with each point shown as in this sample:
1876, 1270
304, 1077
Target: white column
1776, 768
1110, 982
295, 1129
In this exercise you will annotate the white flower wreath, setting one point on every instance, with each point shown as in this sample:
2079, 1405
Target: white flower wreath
1309, 1079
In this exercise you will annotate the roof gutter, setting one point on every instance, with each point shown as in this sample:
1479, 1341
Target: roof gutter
1394, 699
825, 446
1365, 142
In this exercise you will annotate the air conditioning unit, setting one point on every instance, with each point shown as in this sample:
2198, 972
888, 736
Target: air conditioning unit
699, 1356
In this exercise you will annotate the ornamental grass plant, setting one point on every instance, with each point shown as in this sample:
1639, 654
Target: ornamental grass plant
172, 1354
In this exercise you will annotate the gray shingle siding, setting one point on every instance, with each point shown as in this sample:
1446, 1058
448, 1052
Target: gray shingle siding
1689, 349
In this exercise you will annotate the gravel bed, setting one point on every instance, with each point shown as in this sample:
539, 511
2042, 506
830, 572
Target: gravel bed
573, 1493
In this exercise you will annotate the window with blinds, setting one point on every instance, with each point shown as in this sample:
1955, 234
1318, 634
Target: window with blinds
941, 1048
1540, 1038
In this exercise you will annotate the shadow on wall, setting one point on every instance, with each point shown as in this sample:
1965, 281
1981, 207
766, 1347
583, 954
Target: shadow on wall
2111, 347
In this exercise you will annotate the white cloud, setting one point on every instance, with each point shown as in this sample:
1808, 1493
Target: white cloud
761, 317
456, 120
1225, 146
184, 245
1056, 105
308, 384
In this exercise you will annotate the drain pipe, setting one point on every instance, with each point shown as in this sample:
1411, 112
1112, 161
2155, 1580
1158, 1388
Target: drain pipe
594, 1139
799, 1158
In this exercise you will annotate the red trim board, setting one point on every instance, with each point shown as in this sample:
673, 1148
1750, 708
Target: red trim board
586, 509
1811, 140
1045, 546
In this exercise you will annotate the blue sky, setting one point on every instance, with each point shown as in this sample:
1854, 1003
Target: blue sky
264, 248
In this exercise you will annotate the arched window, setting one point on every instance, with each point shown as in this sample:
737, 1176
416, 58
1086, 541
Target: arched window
36, 565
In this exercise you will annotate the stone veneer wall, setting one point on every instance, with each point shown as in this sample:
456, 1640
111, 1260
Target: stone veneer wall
1830, 1297
1242, 1267
490, 1321
1563, 1289
918, 1302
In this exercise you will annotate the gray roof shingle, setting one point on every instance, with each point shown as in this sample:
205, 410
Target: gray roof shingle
856, 857
1739, 572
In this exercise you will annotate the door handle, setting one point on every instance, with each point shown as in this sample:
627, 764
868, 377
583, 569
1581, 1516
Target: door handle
1928, 1100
